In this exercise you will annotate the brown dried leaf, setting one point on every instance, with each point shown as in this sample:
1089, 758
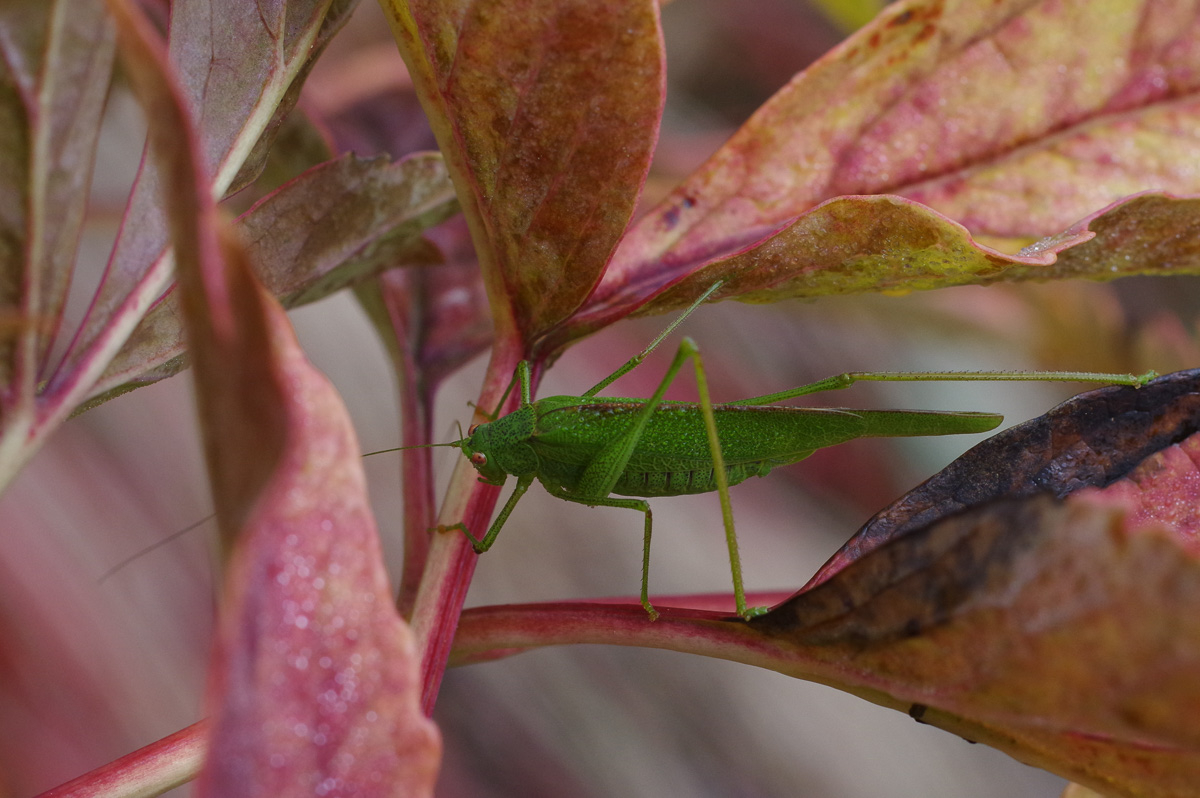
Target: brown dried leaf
547, 113
325, 230
1047, 629
1090, 440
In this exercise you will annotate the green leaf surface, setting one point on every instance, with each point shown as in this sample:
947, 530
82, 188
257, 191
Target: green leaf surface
547, 112
317, 234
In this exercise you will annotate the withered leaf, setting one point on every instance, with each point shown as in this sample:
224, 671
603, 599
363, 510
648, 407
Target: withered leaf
1090, 440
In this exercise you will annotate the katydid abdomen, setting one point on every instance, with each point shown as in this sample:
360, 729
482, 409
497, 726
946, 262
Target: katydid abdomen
671, 457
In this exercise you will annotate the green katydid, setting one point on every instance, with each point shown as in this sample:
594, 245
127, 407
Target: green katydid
585, 449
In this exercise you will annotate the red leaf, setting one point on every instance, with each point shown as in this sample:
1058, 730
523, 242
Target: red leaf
1010, 119
313, 687
960, 105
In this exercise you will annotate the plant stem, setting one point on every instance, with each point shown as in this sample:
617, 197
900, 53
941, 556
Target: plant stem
451, 561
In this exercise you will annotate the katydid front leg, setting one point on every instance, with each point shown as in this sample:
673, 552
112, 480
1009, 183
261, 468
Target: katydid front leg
482, 545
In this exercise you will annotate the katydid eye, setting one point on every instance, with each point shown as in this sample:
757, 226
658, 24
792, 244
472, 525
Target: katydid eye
471, 429
478, 459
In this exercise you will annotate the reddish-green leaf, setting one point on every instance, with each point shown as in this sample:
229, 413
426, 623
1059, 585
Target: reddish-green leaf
889, 244
241, 64
55, 64
326, 229
547, 113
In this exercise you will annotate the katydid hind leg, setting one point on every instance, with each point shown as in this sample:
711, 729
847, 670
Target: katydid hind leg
602, 473
720, 475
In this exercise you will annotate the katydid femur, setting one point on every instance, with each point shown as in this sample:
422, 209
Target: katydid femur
585, 449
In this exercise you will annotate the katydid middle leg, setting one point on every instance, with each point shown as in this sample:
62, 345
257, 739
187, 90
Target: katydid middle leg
642, 506
483, 544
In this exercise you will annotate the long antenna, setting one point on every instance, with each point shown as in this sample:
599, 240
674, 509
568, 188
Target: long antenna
140, 552
422, 445
416, 446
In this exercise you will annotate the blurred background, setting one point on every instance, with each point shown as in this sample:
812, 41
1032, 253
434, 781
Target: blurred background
96, 665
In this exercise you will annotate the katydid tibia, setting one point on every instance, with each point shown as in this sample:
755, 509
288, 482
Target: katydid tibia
591, 450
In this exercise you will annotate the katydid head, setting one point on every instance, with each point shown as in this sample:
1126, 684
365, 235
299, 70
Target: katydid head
477, 446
